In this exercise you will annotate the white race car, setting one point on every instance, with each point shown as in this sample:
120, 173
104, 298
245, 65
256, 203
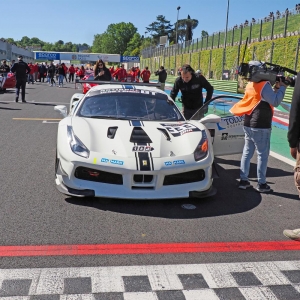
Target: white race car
132, 142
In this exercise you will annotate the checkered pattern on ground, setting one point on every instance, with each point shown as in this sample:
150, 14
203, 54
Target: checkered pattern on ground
234, 281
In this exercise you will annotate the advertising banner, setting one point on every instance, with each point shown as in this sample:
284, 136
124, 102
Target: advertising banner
77, 56
134, 59
47, 55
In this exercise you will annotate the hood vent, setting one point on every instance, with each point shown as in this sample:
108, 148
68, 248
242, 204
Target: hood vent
111, 132
138, 135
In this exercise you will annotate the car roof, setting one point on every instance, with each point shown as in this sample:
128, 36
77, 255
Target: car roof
126, 86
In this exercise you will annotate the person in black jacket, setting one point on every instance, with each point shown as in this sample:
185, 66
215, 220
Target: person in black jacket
162, 77
101, 73
42, 71
191, 86
21, 69
294, 143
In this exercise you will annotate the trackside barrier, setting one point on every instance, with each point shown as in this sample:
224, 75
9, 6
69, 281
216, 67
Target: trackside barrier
229, 86
288, 94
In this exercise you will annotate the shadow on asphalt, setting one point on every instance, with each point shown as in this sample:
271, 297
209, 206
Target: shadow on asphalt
228, 200
40, 103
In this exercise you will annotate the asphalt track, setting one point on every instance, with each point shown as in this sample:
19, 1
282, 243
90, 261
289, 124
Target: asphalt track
33, 213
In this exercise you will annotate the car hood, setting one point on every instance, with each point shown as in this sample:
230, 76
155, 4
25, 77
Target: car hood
124, 137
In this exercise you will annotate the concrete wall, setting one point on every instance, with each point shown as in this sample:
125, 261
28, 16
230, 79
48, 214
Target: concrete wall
10, 52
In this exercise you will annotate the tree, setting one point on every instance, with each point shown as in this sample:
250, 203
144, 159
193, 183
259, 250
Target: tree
204, 33
185, 28
134, 45
114, 39
189, 32
160, 27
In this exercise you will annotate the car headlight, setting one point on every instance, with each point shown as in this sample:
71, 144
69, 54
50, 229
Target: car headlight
76, 144
201, 150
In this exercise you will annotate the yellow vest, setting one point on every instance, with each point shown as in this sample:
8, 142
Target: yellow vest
250, 100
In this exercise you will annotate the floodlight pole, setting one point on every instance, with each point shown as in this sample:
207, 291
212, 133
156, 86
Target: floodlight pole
225, 38
178, 8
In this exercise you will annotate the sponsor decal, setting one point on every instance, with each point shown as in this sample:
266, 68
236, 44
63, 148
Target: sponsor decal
74, 56
145, 163
142, 148
180, 129
112, 161
175, 162
226, 137
230, 122
116, 162
179, 162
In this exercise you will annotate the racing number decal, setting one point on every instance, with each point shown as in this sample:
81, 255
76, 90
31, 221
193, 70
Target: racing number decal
180, 129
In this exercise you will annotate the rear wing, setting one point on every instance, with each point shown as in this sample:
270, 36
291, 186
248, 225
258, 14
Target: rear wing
117, 82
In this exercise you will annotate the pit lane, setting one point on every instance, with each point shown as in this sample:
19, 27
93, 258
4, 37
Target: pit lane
34, 213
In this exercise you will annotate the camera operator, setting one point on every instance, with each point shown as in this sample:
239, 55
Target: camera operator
162, 77
190, 85
257, 106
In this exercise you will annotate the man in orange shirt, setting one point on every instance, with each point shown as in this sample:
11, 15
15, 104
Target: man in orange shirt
145, 75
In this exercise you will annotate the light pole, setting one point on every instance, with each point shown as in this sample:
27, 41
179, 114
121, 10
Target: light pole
178, 8
225, 38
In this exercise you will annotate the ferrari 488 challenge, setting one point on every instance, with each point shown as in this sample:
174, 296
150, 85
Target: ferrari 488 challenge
131, 141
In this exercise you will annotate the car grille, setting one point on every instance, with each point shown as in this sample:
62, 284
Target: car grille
98, 176
187, 177
142, 178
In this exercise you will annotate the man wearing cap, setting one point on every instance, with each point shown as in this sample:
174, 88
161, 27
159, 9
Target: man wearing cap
20, 69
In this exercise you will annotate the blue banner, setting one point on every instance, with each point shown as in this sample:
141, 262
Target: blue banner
130, 59
47, 55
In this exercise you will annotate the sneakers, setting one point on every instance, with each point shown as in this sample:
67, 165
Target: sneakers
292, 234
263, 188
24, 101
17, 99
244, 184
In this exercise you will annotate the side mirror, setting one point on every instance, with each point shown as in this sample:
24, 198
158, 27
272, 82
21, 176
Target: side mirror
61, 109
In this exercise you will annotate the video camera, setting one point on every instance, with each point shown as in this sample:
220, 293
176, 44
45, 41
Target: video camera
257, 71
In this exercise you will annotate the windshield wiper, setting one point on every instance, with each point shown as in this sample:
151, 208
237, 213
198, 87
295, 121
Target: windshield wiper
104, 117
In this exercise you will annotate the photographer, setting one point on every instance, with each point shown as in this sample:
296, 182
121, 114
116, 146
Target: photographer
191, 86
257, 106
162, 77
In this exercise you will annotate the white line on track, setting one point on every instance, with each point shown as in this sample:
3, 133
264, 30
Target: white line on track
283, 159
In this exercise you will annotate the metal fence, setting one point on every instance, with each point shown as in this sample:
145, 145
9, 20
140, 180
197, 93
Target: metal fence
267, 28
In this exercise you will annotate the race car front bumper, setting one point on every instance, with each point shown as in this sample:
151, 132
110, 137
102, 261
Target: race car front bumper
78, 178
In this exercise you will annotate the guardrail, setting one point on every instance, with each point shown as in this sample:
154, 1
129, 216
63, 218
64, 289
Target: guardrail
229, 86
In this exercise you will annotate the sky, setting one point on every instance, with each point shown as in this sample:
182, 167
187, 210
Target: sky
77, 21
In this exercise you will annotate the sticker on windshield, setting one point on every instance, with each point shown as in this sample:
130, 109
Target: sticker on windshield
180, 129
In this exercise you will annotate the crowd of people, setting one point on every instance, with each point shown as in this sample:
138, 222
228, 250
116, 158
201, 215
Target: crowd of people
271, 15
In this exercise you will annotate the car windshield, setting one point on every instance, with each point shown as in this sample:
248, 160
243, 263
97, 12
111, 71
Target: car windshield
129, 105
